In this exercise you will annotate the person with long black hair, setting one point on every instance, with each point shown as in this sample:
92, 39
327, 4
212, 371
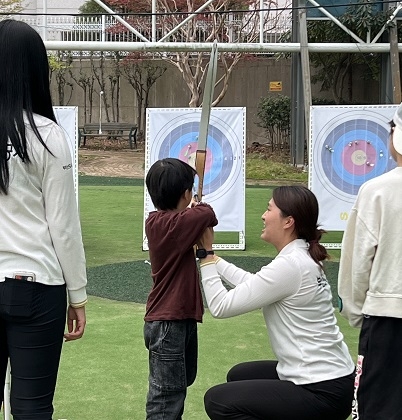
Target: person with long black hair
312, 376
42, 260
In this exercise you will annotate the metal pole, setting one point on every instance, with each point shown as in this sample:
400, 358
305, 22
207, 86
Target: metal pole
297, 117
328, 47
305, 70
100, 111
153, 20
395, 69
103, 36
44, 29
261, 21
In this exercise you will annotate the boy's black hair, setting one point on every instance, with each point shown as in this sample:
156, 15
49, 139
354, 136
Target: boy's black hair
167, 180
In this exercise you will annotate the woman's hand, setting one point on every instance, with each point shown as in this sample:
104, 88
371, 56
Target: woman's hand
206, 239
76, 321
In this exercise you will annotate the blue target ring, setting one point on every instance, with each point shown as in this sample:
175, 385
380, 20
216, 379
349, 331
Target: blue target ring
354, 152
181, 142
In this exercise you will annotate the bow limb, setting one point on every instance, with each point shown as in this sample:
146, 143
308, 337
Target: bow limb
205, 115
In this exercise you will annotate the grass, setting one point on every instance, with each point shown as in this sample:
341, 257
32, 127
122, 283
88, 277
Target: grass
260, 166
104, 375
116, 216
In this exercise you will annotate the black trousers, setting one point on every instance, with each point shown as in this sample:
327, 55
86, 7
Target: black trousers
254, 391
378, 385
32, 321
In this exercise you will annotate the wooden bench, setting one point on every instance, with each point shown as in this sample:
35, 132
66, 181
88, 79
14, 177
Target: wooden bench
109, 129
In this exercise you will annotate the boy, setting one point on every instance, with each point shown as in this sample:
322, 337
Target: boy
175, 303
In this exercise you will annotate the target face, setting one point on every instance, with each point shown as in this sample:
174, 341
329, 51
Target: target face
178, 137
350, 151
349, 146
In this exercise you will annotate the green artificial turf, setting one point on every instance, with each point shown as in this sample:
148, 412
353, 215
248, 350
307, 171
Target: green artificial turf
131, 281
104, 375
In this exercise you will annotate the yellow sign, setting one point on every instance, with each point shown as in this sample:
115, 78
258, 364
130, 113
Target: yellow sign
275, 86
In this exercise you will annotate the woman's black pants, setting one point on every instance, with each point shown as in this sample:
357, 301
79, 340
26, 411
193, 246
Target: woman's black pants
32, 321
254, 391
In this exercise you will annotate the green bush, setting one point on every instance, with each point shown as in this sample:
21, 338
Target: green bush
274, 115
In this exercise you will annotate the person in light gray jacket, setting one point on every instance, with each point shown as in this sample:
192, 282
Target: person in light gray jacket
370, 288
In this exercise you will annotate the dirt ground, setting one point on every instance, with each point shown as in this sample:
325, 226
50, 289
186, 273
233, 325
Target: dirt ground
115, 159
125, 163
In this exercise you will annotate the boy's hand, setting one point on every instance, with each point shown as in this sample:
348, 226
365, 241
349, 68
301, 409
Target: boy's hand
194, 200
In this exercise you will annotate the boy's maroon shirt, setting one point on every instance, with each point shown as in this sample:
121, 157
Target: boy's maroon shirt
176, 292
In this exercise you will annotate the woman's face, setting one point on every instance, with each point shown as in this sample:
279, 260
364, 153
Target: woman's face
274, 223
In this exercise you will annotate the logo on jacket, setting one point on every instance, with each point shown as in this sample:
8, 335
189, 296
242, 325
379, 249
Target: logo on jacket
322, 281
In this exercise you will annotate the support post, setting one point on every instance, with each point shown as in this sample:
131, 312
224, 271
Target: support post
305, 69
394, 61
297, 117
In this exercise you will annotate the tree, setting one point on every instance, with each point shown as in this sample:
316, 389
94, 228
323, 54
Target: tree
100, 72
91, 8
8, 7
142, 71
216, 22
59, 65
85, 80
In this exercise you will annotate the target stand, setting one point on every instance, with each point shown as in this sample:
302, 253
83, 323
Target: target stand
173, 132
349, 146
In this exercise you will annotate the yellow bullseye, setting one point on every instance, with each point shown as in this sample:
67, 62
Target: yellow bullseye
359, 157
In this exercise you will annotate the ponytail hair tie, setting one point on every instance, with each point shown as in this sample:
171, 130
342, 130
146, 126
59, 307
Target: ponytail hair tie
313, 241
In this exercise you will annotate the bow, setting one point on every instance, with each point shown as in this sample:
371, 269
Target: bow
201, 153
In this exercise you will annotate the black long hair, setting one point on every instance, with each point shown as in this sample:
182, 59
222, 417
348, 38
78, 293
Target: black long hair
24, 86
300, 203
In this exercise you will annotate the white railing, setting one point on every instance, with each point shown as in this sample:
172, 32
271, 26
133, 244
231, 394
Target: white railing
237, 27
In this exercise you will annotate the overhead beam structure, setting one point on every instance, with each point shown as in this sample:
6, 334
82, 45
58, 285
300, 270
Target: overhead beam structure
265, 48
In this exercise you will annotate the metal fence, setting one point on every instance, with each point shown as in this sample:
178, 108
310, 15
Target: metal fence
230, 28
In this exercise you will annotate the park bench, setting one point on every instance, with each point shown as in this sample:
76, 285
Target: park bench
109, 129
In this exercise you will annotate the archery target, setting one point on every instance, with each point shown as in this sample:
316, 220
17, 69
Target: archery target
349, 146
178, 138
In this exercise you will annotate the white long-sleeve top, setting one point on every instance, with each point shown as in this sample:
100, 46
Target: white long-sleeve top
370, 280
296, 301
40, 230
